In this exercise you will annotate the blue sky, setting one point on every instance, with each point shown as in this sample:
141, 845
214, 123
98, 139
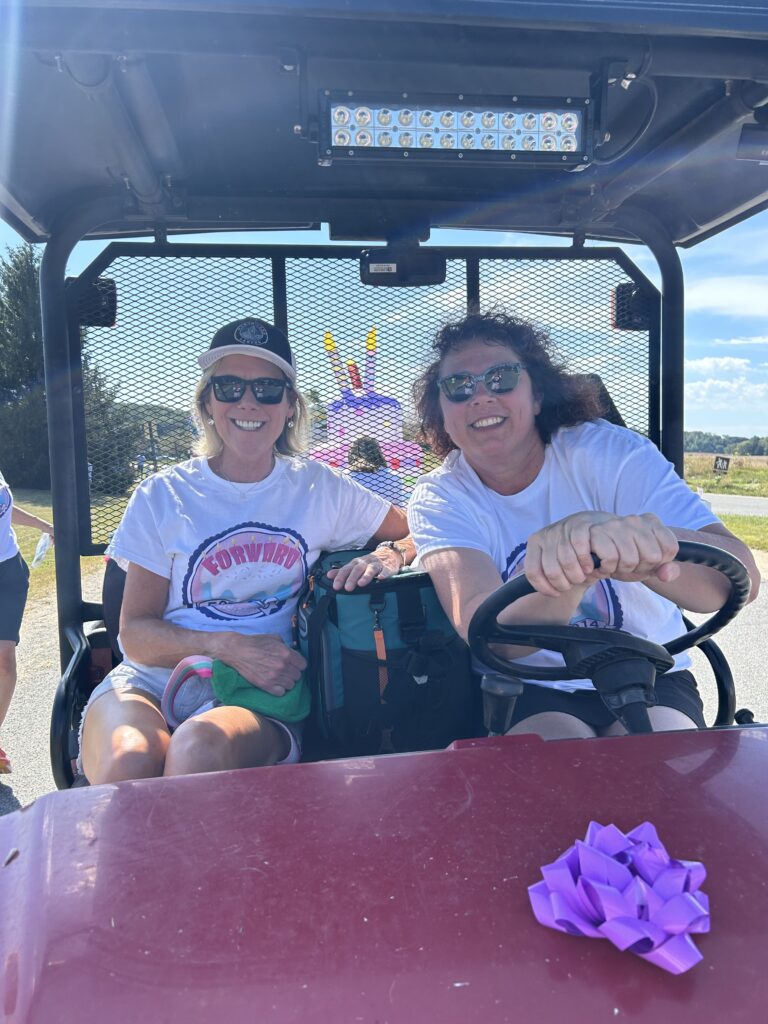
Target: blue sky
726, 348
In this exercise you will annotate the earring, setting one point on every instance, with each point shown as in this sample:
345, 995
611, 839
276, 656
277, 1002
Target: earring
209, 421
290, 422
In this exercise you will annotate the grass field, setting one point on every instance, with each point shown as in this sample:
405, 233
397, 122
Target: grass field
42, 580
747, 474
753, 530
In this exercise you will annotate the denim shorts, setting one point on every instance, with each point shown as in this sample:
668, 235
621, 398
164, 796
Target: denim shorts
676, 690
129, 677
14, 584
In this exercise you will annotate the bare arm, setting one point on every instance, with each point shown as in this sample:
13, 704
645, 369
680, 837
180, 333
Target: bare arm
382, 562
699, 589
146, 637
464, 577
633, 549
21, 518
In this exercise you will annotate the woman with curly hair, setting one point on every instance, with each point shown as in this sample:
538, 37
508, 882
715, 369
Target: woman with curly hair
534, 480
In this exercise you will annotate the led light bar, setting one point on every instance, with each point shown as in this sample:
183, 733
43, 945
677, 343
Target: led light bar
550, 131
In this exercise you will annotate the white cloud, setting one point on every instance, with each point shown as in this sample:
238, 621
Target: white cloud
755, 339
716, 364
745, 295
719, 395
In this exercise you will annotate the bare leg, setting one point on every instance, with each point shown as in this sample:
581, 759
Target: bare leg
7, 676
124, 737
225, 738
553, 725
662, 719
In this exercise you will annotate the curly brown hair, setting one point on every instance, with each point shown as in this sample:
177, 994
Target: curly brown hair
566, 399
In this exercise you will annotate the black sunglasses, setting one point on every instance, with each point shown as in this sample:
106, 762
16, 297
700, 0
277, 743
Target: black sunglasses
267, 390
499, 380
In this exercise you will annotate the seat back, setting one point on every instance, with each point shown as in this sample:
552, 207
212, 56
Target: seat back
112, 599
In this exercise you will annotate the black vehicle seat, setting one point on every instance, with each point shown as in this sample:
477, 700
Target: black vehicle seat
610, 412
112, 598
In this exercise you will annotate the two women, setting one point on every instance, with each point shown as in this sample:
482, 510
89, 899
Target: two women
534, 480
219, 549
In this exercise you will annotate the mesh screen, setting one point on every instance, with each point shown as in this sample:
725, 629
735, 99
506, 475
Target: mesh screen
358, 350
572, 300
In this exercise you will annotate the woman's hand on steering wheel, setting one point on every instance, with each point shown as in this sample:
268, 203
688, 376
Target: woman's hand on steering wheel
562, 556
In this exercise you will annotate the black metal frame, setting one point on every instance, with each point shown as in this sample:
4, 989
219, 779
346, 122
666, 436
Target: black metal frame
472, 257
66, 411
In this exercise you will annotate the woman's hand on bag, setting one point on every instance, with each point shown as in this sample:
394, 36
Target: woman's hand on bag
378, 565
266, 661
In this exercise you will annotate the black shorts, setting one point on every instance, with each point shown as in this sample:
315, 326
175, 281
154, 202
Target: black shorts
673, 690
14, 584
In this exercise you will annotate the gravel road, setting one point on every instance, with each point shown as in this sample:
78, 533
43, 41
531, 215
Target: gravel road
26, 729
25, 733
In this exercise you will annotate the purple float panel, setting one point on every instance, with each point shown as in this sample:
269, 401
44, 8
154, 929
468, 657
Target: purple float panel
382, 889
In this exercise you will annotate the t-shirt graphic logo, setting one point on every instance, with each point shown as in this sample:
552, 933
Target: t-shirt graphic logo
599, 608
5, 500
248, 571
251, 333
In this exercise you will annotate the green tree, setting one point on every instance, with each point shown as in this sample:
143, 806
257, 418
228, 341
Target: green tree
754, 446
23, 419
22, 387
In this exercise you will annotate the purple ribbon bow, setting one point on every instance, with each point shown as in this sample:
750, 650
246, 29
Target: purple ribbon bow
626, 888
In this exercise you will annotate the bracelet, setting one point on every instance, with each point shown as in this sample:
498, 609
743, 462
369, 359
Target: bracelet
393, 545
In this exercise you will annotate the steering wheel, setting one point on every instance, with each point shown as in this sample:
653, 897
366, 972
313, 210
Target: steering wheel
622, 667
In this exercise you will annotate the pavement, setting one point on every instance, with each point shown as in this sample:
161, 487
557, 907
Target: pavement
736, 505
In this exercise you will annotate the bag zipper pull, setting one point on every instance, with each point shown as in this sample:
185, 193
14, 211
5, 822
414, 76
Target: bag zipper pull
381, 652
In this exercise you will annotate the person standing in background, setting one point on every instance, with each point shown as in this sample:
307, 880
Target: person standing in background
14, 583
367, 465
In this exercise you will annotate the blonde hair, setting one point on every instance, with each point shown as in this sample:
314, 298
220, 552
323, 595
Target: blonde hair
208, 444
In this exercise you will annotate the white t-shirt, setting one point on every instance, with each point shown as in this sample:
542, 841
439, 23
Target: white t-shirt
8, 544
237, 555
594, 466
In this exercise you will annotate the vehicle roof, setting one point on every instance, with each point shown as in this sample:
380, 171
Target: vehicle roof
199, 116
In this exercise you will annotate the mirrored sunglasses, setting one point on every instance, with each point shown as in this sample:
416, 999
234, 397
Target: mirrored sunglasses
267, 390
499, 380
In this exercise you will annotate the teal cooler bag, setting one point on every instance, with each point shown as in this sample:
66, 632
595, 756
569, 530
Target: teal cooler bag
387, 671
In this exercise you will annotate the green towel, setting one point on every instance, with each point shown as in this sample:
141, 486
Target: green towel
230, 688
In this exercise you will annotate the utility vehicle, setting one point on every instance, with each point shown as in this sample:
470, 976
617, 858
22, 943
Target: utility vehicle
388, 888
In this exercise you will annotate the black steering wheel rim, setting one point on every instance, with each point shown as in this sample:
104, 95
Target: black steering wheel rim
484, 629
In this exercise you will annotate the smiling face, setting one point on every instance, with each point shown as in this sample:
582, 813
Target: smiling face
496, 432
248, 429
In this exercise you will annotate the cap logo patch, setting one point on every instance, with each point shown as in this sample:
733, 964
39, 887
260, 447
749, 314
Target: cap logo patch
250, 334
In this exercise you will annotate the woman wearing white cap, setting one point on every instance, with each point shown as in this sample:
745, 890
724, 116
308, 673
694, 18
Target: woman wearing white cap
219, 548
